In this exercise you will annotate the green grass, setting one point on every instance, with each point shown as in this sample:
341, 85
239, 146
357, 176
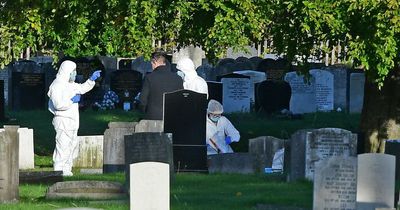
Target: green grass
189, 192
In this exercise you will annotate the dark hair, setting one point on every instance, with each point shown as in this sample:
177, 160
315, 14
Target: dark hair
159, 56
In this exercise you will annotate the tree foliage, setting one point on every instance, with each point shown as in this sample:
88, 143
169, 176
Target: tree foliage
369, 29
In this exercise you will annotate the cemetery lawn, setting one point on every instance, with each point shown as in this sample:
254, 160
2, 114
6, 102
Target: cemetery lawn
189, 191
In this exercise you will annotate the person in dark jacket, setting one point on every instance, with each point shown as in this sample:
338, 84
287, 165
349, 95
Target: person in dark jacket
160, 81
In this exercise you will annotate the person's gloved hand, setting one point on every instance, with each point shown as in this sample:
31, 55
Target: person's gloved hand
228, 140
95, 75
76, 98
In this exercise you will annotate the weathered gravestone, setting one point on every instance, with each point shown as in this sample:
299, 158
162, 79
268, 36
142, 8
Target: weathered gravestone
335, 184
236, 93
324, 91
149, 126
325, 143
392, 147
295, 155
303, 98
28, 91
93, 190
148, 147
113, 146
150, 186
375, 181
9, 173
215, 91
356, 92
26, 154
340, 86
90, 152
273, 96
126, 81
185, 118
263, 149
240, 163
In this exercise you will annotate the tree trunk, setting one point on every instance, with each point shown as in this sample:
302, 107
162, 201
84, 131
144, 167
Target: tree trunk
380, 118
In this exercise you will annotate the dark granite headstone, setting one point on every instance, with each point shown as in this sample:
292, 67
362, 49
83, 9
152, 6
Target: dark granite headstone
125, 64
275, 69
273, 96
255, 61
148, 147
185, 118
126, 80
392, 147
215, 91
28, 91
224, 66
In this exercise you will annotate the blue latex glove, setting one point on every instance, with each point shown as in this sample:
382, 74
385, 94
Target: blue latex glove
228, 140
95, 75
76, 98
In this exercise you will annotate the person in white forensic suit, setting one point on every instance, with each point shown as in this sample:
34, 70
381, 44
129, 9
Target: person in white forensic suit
64, 96
220, 131
191, 81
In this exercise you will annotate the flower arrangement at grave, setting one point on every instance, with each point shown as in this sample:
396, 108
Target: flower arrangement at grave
109, 102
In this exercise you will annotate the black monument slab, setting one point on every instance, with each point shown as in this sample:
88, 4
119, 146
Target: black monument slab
215, 91
392, 147
185, 118
273, 96
126, 80
28, 91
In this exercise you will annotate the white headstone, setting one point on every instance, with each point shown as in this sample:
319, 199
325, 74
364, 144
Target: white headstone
375, 181
149, 186
323, 89
236, 94
303, 98
325, 143
335, 183
90, 152
356, 92
255, 77
26, 151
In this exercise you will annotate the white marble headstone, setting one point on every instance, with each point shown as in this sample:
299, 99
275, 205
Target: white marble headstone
236, 94
149, 186
324, 91
303, 98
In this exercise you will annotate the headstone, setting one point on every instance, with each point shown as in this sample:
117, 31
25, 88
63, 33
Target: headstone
26, 149
125, 64
375, 181
28, 91
273, 96
126, 80
224, 66
356, 92
207, 72
255, 61
148, 147
97, 190
9, 173
40, 177
340, 86
335, 183
324, 91
296, 155
303, 98
90, 152
187, 109
236, 93
113, 146
150, 186
215, 91
239, 163
263, 149
2, 101
392, 147
325, 143
149, 126
274, 69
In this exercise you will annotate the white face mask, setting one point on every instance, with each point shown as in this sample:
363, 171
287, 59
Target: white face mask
72, 76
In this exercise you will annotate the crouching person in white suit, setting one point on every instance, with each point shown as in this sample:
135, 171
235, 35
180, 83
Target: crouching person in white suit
64, 96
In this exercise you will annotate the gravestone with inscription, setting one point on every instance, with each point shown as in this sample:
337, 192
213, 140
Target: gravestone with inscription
215, 91
187, 109
148, 147
126, 81
90, 152
335, 183
28, 91
263, 149
356, 92
303, 98
236, 93
325, 143
9, 172
255, 78
375, 181
324, 91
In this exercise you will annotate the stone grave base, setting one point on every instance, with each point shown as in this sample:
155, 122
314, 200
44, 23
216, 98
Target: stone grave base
91, 190
40, 177
241, 163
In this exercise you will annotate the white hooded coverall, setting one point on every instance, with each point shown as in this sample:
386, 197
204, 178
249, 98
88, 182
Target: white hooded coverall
191, 81
66, 115
218, 132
